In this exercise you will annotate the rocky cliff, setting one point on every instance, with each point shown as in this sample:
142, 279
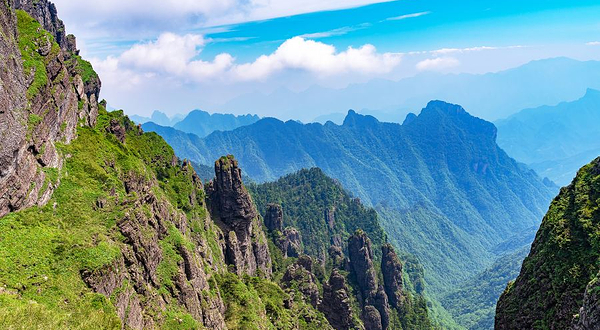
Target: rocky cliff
557, 286
246, 247
47, 92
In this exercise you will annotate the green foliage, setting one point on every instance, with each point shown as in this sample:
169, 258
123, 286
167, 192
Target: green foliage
564, 258
306, 197
255, 303
31, 39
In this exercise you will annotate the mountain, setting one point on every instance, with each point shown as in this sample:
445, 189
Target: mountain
490, 96
103, 227
324, 221
202, 123
557, 287
473, 304
157, 117
554, 140
443, 189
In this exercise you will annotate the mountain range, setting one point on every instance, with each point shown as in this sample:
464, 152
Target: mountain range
442, 187
554, 140
491, 96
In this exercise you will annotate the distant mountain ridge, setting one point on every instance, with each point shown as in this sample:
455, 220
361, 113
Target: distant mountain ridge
554, 140
157, 117
540, 82
202, 123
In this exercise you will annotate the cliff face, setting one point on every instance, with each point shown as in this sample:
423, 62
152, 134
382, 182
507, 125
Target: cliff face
245, 242
48, 91
556, 288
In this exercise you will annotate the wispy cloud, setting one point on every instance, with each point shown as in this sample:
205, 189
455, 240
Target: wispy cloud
413, 15
593, 43
446, 51
335, 32
437, 64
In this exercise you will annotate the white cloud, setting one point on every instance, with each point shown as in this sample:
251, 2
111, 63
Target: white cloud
335, 32
593, 43
176, 56
134, 18
413, 15
319, 58
437, 64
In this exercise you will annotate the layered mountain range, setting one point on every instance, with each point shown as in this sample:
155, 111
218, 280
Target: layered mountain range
443, 189
103, 227
554, 140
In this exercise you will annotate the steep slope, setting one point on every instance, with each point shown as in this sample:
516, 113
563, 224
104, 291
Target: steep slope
557, 286
445, 191
554, 140
47, 91
311, 214
201, 123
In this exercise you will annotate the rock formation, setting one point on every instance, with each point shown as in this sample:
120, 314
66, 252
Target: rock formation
274, 217
336, 303
246, 247
376, 309
47, 99
589, 313
300, 275
391, 268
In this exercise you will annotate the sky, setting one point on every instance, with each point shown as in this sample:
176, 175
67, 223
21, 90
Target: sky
179, 55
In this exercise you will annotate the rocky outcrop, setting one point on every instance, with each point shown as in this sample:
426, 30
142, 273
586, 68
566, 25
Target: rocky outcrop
45, 12
133, 277
231, 206
589, 314
291, 243
274, 217
376, 309
336, 305
41, 105
391, 268
300, 275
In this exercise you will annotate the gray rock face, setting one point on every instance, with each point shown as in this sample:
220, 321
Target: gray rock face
32, 122
376, 308
300, 275
132, 277
292, 245
232, 209
336, 305
589, 313
391, 267
274, 217
45, 12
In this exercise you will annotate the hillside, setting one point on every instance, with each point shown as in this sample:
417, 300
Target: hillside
103, 227
554, 140
558, 285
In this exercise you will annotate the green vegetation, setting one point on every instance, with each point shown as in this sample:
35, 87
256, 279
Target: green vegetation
322, 210
37, 49
564, 258
306, 197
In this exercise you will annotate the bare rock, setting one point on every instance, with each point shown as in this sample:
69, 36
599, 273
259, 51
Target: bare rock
231, 207
274, 217
391, 267
300, 275
336, 304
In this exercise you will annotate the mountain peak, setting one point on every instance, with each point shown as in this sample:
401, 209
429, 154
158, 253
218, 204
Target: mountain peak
590, 92
354, 119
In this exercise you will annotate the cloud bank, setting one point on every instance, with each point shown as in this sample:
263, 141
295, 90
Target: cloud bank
177, 56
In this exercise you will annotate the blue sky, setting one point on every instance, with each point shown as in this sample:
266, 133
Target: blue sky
176, 55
